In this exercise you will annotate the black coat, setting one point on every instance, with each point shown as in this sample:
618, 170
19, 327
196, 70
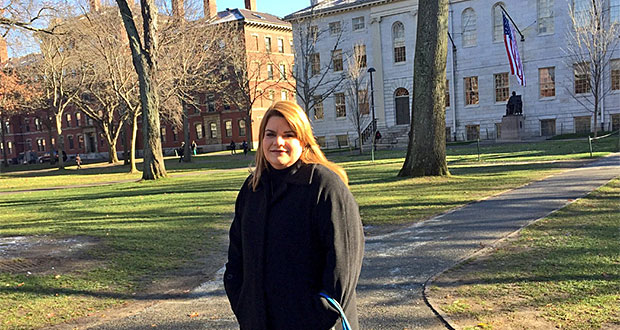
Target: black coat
290, 242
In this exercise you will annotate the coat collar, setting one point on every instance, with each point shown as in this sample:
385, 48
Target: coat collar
300, 174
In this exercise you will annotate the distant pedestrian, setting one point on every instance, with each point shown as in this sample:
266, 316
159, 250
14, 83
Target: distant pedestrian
78, 161
194, 147
244, 145
232, 147
181, 151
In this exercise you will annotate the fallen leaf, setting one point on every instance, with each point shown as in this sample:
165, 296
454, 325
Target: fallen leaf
193, 315
50, 315
20, 284
57, 276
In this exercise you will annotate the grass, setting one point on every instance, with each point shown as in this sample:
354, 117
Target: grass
149, 231
562, 272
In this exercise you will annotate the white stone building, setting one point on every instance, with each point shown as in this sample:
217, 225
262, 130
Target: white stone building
478, 71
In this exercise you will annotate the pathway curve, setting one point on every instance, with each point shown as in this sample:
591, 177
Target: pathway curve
397, 264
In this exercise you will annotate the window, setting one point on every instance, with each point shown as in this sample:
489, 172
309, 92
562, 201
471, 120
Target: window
68, 118
447, 93
614, 11
163, 135
582, 77
282, 71
28, 144
581, 10
335, 28
315, 62
255, 41
280, 45
473, 132
268, 44
226, 106
272, 95
71, 143
398, 42
78, 118
468, 22
40, 144
363, 106
314, 32
343, 140
615, 74
341, 108
318, 108
7, 126
213, 129
27, 124
615, 122
582, 124
547, 127
198, 127
210, 103
498, 23
501, 87
37, 124
80, 139
337, 60
291, 45
360, 55
270, 71
545, 16
283, 95
546, 82
358, 23
9, 147
471, 90
241, 123
320, 140
175, 135
228, 126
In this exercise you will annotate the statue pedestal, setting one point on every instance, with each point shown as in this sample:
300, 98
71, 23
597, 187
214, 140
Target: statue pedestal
512, 128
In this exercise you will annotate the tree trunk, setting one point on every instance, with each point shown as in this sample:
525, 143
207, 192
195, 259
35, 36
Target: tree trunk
187, 151
112, 156
125, 149
248, 130
60, 140
144, 60
5, 162
132, 150
426, 153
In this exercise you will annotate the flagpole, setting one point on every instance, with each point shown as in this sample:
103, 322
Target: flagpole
513, 22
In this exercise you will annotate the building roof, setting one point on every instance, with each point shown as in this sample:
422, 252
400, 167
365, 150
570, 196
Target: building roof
252, 17
330, 6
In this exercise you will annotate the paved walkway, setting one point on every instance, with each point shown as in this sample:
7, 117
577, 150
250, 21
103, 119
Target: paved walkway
397, 264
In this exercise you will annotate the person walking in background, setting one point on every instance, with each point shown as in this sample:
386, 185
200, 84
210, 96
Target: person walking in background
194, 147
232, 147
181, 151
296, 237
78, 161
244, 145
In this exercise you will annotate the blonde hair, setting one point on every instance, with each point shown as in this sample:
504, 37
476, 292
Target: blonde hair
299, 123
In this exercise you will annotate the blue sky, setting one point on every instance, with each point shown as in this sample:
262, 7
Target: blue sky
279, 8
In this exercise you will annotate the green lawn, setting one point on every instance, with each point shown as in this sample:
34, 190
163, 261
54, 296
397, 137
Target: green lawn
149, 231
562, 272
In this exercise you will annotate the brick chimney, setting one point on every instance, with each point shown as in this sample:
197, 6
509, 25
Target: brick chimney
95, 5
210, 8
178, 9
250, 5
4, 55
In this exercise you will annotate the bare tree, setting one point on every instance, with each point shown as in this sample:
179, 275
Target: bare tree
61, 76
590, 48
191, 66
144, 54
245, 79
357, 91
426, 152
315, 77
26, 15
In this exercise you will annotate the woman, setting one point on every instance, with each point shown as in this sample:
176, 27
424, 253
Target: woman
296, 234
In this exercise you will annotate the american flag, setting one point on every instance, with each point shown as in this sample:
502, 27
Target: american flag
516, 67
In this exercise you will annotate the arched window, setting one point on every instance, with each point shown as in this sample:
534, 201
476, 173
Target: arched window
398, 42
401, 99
468, 21
498, 22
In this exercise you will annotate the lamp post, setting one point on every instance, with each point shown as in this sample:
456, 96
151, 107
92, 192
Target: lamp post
372, 106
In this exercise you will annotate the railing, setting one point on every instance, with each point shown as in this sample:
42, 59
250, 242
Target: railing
368, 132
